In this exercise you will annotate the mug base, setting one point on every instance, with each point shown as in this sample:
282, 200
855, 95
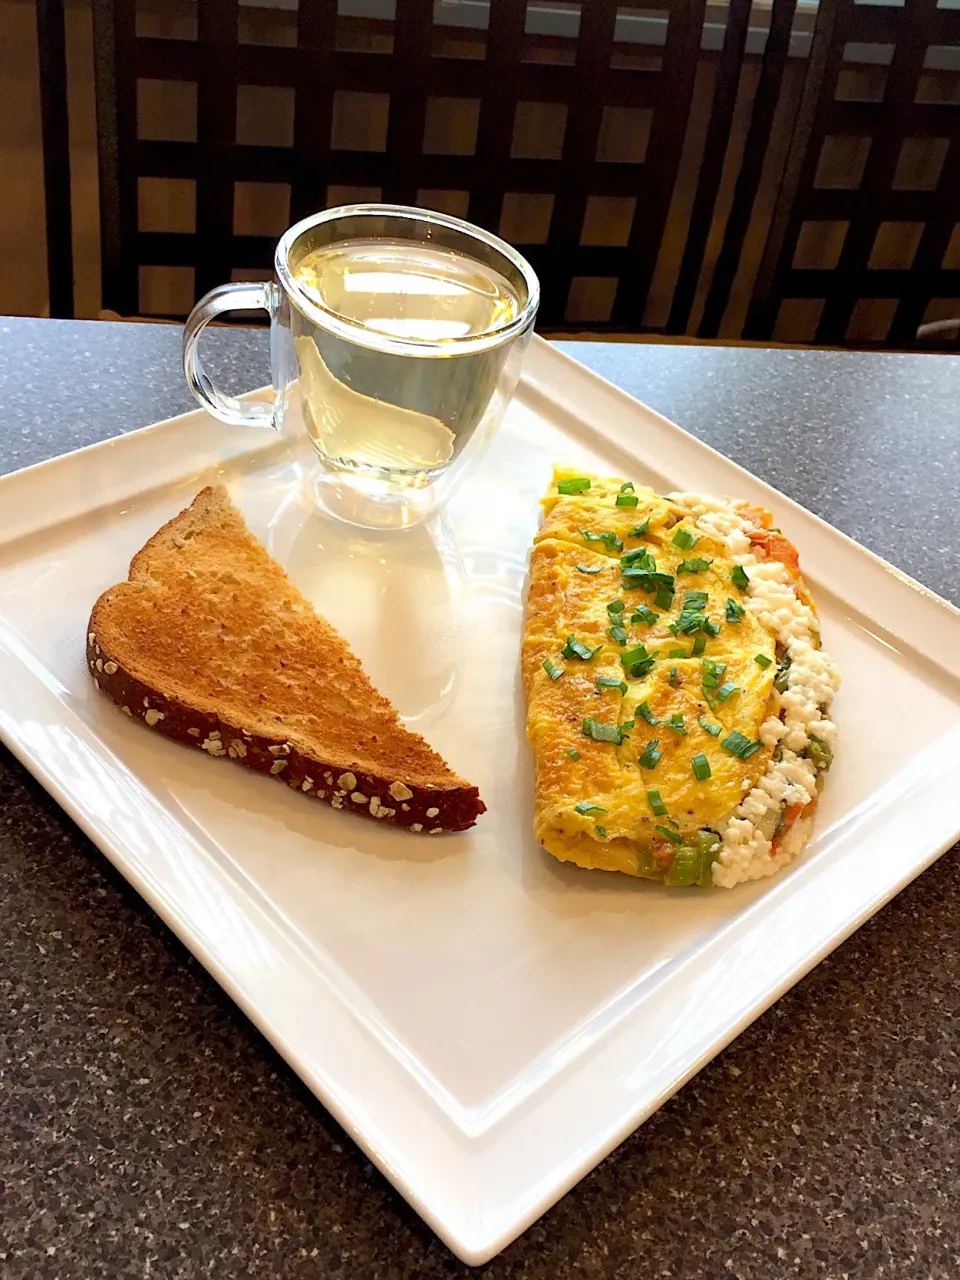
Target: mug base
369, 505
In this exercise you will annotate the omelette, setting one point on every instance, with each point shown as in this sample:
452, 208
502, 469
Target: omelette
677, 694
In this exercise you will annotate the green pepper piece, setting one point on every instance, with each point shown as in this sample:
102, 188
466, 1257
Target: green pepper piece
819, 754
708, 850
647, 864
685, 866
782, 678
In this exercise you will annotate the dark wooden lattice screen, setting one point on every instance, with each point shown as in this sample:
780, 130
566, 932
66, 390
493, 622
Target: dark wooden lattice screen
864, 244
616, 112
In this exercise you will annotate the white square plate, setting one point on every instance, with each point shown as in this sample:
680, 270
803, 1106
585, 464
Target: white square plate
485, 1022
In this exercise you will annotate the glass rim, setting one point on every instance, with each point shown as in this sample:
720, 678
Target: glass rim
355, 331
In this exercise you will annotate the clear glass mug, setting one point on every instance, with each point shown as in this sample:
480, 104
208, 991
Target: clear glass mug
397, 336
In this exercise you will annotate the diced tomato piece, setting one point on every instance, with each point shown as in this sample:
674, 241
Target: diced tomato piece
776, 547
790, 816
663, 852
759, 515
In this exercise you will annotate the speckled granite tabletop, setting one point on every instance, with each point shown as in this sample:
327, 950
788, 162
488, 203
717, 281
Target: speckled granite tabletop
146, 1130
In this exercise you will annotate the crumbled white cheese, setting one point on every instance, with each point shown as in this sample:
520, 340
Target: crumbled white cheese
773, 600
812, 680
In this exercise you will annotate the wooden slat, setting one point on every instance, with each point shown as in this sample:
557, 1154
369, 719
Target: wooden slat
54, 125
656, 184
374, 73
877, 283
943, 26
498, 110
765, 101
216, 138
934, 241
839, 206
313, 106
365, 168
901, 87
578, 158
875, 23
886, 124
410, 71
820, 81
316, 68
916, 119
726, 84
173, 248
114, 39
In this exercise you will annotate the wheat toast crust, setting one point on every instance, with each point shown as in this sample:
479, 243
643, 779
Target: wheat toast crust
403, 802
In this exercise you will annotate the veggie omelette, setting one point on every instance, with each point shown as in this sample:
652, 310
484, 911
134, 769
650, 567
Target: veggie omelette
677, 694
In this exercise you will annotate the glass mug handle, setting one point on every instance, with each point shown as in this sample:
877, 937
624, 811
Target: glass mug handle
226, 297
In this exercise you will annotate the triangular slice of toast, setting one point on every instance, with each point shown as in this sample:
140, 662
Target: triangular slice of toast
211, 643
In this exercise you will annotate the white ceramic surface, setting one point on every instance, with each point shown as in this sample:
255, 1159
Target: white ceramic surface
485, 1022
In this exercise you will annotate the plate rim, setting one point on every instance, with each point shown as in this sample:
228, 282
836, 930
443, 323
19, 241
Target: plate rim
471, 1235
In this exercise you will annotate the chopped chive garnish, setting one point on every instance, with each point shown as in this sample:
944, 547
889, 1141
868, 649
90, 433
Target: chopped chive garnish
615, 607
677, 653
684, 539
670, 835
602, 732
626, 726
699, 644
640, 530
696, 565
674, 677
643, 613
582, 568
701, 767
763, 661
739, 577
664, 598
638, 558
609, 539
734, 611
675, 722
691, 618
711, 628
637, 661
646, 580
650, 756
601, 831
712, 672
573, 753
586, 807
578, 485
627, 487
637, 654
714, 730
645, 713
611, 682
655, 801
727, 691
575, 648
739, 745
782, 678
617, 633
627, 500
553, 669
